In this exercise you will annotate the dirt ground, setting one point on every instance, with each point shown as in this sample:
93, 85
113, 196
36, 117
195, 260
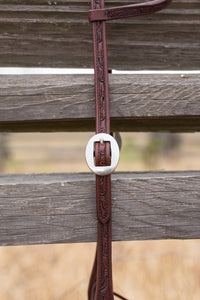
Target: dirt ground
147, 270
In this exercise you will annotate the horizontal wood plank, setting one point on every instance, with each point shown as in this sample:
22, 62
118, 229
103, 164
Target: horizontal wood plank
57, 34
66, 103
60, 208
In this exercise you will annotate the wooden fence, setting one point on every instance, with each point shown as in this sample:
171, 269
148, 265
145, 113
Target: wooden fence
60, 208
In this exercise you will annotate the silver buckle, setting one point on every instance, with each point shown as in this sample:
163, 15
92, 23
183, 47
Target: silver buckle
89, 154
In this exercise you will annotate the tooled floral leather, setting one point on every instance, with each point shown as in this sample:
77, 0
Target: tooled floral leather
127, 11
101, 286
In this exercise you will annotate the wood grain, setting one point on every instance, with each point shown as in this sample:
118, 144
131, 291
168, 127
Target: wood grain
57, 34
66, 103
60, 208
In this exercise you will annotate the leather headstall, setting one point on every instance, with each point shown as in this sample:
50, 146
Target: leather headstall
102, 152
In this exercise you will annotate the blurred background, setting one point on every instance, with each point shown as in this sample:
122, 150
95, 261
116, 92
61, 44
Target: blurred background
145, 270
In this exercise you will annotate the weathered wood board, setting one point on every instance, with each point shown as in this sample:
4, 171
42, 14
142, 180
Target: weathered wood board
66, 103
60, 208
51, 33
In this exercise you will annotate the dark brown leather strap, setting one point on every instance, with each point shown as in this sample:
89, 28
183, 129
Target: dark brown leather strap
101, 286
127, 11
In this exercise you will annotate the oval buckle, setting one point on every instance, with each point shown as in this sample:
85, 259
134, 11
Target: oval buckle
89, 154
